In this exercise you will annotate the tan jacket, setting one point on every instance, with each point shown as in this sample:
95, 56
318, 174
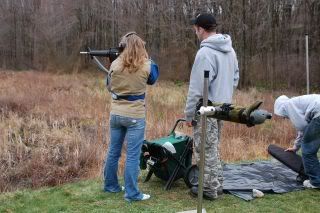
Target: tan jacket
125, 83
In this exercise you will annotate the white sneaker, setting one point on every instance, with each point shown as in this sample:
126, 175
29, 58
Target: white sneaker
308, 185
145, 197
122, 188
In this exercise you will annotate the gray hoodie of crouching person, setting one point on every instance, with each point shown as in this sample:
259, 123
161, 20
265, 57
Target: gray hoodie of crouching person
300, 110
217, 56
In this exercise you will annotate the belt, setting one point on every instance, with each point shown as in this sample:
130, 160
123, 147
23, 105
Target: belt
128, 97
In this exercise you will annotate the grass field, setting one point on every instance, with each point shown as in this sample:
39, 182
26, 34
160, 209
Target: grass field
87, 196
54, 130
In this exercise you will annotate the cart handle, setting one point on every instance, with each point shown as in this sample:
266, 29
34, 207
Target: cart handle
176, 124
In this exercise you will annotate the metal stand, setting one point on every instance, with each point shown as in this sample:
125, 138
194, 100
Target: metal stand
202, 146
203, 141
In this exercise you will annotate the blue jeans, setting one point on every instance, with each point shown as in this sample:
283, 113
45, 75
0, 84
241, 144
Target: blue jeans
310, 146
133, 130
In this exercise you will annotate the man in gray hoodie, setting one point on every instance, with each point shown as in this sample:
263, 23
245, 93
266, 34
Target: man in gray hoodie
216, 55
304, 113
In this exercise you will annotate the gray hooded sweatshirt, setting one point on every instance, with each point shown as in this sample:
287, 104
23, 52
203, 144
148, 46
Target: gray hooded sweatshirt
300, 110
216, 55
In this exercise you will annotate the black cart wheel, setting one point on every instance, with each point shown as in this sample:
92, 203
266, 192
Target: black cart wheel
191, 176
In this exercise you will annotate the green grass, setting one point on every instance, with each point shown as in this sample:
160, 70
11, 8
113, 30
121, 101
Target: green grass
87, 196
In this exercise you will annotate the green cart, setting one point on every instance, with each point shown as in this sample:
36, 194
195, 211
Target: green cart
169, 157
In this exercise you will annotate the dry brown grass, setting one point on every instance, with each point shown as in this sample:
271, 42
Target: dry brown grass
50, 128
54, 128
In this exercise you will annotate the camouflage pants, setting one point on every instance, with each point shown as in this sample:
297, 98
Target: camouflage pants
213, 173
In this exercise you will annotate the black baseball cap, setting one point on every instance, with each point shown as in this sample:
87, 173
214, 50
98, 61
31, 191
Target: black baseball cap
204, 20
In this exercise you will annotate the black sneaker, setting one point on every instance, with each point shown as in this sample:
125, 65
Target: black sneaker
206, 195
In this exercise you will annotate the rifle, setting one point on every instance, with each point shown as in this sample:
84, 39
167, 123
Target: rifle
111, 53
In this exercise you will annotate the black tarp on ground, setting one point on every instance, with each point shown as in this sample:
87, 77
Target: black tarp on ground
266, 176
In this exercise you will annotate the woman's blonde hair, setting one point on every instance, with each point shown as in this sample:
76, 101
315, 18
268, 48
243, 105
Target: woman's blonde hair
134, 54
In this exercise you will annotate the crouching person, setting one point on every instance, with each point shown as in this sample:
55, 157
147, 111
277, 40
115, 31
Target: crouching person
304, 113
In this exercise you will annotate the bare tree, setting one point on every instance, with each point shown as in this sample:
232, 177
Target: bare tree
268, 36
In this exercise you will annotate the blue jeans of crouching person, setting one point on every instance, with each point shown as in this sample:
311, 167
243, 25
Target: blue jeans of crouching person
131, 129
310, 147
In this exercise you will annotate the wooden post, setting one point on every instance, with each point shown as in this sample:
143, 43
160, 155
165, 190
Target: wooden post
307, 63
